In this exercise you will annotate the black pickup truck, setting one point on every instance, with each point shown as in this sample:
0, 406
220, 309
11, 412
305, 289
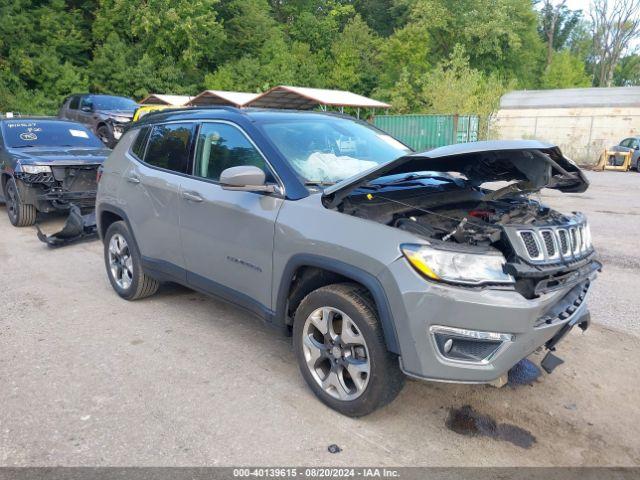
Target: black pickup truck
47, 165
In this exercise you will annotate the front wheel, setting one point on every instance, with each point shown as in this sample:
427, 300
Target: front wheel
341, 352
20, 214
104, 134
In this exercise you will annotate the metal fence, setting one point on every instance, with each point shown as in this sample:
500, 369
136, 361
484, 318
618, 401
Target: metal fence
423, 132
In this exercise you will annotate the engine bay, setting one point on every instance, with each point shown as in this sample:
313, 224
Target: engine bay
467, 215
541, 246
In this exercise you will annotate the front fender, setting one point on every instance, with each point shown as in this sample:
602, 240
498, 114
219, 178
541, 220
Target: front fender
349, 271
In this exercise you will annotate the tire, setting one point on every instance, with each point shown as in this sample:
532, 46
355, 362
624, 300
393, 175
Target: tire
124, 264
20, 214
327, 360
104, 134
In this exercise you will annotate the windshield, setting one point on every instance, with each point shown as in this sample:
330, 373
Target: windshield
47, 133
106, 102
329, 149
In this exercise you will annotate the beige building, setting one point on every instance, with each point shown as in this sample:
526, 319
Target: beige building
582, 121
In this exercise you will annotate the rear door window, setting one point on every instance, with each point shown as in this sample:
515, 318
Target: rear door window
221, 146
169, 146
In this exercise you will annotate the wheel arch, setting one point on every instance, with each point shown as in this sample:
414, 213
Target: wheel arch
4, 178
305, 273
107, 214
102, 123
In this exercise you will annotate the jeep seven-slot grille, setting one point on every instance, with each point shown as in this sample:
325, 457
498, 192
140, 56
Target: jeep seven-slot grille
564, 241
550, 243
530, 244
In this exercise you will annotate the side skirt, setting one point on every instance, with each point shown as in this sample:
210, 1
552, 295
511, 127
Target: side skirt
168, 272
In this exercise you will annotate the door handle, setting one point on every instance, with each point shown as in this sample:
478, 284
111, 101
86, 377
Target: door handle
133, 179
192, 197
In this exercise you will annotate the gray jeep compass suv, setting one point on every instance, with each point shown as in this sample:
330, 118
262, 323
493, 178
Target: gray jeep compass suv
380, 262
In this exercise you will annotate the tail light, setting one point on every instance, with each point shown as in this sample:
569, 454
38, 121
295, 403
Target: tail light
98, 174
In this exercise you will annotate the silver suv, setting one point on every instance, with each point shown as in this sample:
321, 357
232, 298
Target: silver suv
378, 261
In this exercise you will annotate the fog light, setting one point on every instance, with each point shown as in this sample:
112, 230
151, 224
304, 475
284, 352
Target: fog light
447, 345
470, 346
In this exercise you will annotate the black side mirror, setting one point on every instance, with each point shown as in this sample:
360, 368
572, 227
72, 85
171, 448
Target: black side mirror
636, 147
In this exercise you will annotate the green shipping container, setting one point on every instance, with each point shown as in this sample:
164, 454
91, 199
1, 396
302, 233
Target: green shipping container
424, 132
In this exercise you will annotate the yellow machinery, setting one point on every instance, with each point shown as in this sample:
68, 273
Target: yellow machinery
613, 160
142, 110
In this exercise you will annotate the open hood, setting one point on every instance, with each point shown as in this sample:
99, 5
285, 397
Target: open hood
531, 164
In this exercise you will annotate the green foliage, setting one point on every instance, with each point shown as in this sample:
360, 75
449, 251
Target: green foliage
561, 21
627, 72
440, 56
456, 87
566, 70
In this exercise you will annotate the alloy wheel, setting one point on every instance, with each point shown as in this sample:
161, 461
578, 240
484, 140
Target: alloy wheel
336, 353
12, 203
120, 261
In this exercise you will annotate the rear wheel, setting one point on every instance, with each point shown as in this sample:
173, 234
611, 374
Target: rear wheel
20, 214
341, 350
124, 264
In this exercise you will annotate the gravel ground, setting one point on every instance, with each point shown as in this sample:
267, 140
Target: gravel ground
182, 379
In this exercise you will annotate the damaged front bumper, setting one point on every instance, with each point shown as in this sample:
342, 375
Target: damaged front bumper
60, 188
476, 335
77, 227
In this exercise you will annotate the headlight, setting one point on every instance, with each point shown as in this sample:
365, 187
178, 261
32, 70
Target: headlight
456, 267
36, 168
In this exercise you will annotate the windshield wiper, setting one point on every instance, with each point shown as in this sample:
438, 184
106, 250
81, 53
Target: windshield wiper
319, 183
24, 146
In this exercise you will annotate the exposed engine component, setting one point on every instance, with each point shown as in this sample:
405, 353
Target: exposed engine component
540, 245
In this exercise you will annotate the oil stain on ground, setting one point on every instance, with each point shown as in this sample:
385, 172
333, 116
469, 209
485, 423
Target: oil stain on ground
466, 421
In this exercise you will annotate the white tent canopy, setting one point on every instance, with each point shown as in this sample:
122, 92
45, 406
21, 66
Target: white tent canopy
161, 99
221, 97
304, 98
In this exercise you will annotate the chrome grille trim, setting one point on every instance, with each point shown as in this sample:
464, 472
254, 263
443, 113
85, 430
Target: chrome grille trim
563, 240
575, 241
534, 237
552, 244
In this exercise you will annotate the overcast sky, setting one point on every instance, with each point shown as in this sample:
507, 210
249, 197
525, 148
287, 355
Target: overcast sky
584, 5
579, 5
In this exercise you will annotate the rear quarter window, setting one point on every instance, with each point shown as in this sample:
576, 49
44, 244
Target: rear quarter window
140, 142
169, 146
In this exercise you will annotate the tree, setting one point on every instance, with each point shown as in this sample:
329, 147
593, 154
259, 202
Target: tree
403, 62
498, 35
614, 25
556, 24
155, 45
565, 71
455, 87
44, 49
353, 54
627, 71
